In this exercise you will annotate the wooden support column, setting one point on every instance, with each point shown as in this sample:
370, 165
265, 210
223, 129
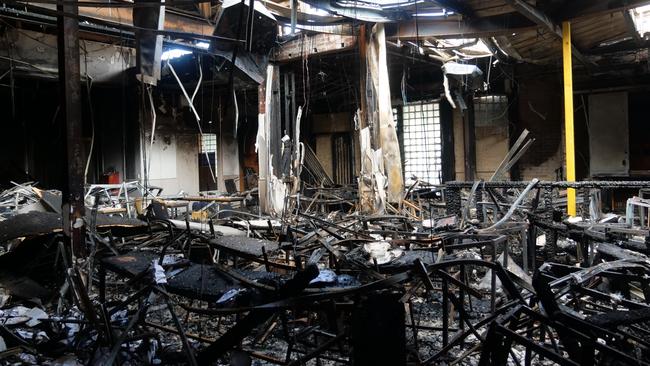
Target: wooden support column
569, 139
274, 118
262, 148
363, 71
381, 160
70, 94
367, 197
268, 140
387, 136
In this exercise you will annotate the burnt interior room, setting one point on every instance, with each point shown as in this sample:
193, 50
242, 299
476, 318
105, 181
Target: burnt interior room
308, 182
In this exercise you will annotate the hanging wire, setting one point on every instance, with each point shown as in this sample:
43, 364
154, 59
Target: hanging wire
89, 84
153, 131
196, 114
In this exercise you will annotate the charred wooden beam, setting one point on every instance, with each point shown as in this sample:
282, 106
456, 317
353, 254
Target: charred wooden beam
631, 28
124, 16
313, 45
457, 7
583, 8
148, 43
538, 17
456, 28
469, 14
70, 93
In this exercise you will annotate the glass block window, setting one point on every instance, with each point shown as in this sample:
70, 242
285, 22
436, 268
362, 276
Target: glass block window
208, 143
422, 141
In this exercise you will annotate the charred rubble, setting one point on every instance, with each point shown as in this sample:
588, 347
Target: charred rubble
377, 182
489, 275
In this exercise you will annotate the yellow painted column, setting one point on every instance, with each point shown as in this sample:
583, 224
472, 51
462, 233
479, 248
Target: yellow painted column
569, 138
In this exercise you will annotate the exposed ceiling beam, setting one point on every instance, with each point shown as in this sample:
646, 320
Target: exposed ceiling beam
542, 20
587, 8
36, 55
451, 28
631, 28
457, 7
568, 10
205, 9
124, 17
303, 18
492, 46
504, 44
312, 45
629, 45
467, 11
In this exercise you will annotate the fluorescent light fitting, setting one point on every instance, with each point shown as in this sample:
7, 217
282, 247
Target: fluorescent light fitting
174, 53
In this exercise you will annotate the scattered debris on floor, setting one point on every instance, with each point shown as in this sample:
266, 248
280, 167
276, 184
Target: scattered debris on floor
492, 275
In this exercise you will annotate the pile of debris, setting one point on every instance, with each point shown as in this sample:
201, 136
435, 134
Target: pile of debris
22, 198
317, 285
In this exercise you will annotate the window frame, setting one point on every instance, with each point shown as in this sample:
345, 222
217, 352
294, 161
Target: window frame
420, 132
208, 143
